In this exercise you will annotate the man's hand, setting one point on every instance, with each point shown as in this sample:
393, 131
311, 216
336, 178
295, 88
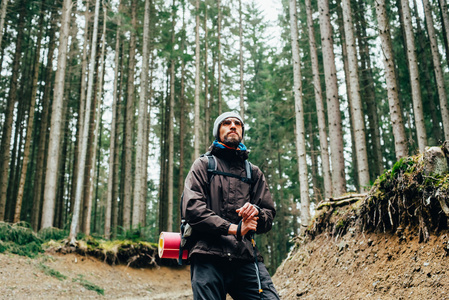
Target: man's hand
247, 211
248, 225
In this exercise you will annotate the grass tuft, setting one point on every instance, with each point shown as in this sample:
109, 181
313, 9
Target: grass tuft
88, 285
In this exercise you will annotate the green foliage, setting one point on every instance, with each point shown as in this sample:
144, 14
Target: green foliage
88, 285
52, 233
51, 272
19, 239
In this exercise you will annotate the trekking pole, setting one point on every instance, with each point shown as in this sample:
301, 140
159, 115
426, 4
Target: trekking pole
253, 242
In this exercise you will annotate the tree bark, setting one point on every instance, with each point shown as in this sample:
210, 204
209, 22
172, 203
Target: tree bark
171, 126
400, 141
369, 94
42, 143
82, 102
92, 177
207, 103
5, 151
324, 146
2, 19
85, 134
300, 128
445, 20
219, 56
242, 103
414, 77
30, 123
129, 124
356, 107
196, 124
333, 105
141, 157
112, 145
437, 68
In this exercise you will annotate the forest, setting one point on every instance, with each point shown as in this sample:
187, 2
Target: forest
104, 105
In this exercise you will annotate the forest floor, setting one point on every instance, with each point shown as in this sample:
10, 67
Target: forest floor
72, 276
354, 266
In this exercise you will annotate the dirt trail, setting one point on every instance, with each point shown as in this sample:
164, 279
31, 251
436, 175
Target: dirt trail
25, 278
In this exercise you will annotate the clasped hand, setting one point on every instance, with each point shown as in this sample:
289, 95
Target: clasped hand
249, 218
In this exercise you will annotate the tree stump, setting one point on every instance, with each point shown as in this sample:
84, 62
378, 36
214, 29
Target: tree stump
435, 162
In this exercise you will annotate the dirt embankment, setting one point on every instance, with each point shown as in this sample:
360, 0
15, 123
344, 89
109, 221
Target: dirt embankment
73, 276
367, 266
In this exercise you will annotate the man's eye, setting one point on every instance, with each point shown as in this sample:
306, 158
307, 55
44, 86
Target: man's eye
227, 123
237, 123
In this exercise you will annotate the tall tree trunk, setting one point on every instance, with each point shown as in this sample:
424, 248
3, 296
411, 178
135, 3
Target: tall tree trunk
129, 124
42, 143
118, 133
242, 103
369, 94
171, 134
314, 160
89, 199
357, 109
141, 157
86, 200
414, 77
2, 19
51, 173
85, 134
324, 146
437, 68
112, 144
5, 151
196, 124
445, 21
82, 102
300, 128
207, 103
333, 105
182, 111
400, 140
30, 123
219, 56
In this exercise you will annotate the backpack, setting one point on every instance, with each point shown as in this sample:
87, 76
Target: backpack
186, 229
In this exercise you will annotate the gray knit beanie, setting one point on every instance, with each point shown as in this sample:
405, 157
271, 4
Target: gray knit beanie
221, 118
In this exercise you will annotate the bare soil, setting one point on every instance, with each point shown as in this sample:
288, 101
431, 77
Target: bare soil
354, 266
366, 266
25, 278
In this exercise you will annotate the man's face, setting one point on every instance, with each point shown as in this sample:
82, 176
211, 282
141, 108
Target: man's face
231, 132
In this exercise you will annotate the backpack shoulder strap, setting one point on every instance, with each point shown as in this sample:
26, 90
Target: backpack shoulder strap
249, 170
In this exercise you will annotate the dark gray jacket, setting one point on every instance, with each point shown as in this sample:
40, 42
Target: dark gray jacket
210, 208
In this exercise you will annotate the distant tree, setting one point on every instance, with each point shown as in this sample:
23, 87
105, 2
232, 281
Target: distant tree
324, 146
51, 173
30, 122
5, 146
84, 136
299, 114
400, 140
333, 104
414, 76
356, 105
196, 113
442, 95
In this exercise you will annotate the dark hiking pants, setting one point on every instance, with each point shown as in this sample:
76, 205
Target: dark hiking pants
214, 277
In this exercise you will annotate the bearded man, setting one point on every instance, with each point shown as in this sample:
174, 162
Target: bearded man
225, 206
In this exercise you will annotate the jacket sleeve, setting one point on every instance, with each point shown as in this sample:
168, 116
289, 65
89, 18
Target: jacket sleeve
195, 209
261, 197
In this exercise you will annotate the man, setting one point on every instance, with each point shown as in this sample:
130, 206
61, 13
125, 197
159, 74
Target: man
223, 211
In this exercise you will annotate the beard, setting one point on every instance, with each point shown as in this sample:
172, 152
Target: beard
232, 140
